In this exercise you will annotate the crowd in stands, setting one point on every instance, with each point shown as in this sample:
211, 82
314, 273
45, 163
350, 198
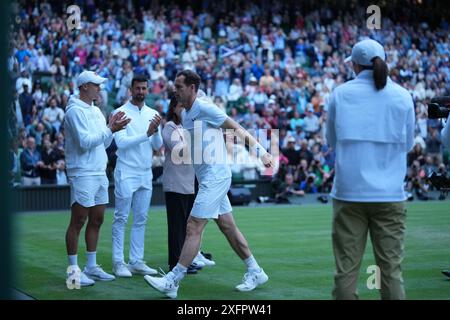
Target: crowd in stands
269, 65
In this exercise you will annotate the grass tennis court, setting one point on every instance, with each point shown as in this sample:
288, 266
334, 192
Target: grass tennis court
292, 244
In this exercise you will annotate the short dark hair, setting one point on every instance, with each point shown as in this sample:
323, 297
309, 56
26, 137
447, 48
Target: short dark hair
139, 78
190, 77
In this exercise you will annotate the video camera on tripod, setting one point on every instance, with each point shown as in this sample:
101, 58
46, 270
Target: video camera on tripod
440, 182
439, 107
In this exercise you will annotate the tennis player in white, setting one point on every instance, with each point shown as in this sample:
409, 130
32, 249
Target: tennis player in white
133, 179
214, 178
87, 136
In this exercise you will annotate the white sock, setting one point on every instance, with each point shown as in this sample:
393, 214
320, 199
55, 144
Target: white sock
179, 271
91, 259
252, 265
73, 260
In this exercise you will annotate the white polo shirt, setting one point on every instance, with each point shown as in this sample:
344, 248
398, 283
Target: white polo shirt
134, 147
372, 132
208, 152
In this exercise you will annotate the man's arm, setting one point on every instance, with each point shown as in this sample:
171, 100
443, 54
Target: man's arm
124, 141
25, 162
331, 130
249, 140
410, 126
78, 125
86, 140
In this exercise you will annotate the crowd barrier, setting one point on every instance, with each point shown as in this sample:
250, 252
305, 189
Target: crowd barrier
54, 197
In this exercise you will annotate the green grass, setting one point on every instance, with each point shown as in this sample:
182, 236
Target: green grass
292, 243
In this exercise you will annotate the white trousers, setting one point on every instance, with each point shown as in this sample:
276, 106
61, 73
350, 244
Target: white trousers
131, 192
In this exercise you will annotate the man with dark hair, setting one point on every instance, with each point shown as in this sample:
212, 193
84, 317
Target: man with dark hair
133, 179
214, 177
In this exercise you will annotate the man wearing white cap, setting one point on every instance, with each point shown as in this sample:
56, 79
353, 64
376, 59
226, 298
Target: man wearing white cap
133, 179
371, 127
87, 136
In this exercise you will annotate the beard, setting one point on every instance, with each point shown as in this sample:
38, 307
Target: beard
139, 98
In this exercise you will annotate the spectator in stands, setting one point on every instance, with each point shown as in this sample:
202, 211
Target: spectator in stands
301, 172
304, 152
292, 154
296, 121
416, 154
434, 144
16, 111
49, 158
39, 96
26, 101
61, 178
59, 142
124, 82
322, 175
53, 115
41, 62
37, 130
416, 181
76, 67
14, 162
30, 164
311, 122
288, 189
309, 184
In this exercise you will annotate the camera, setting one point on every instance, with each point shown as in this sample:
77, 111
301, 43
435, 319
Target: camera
439, 181
439, 107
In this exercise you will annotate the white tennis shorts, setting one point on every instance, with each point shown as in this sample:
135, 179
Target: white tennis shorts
212, 200
89, 191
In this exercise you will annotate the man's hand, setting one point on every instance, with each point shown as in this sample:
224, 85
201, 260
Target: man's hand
118, 121
267, 160
153, 125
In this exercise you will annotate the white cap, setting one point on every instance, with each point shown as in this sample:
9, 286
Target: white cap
89, 76
364, 51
